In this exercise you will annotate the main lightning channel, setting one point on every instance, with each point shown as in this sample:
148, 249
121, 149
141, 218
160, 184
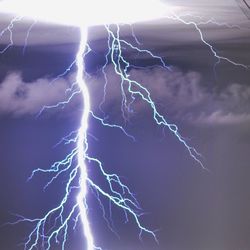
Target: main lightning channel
82, 144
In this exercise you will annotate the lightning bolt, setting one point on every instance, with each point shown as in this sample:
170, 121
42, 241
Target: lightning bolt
55, 225
82, 143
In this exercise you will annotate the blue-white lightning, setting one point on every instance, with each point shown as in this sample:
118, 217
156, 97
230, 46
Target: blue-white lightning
55, 226
82, 143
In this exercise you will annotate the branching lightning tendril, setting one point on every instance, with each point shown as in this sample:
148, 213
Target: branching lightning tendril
55, 225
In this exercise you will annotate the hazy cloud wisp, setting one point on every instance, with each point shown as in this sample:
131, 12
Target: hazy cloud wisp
182, 95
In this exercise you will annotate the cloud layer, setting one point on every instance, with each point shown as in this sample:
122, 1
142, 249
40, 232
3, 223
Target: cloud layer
183, 96
187, 97
20, 98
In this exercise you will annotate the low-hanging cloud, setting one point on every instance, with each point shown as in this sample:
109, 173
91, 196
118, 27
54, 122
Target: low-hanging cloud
185, 96
181, 95
20, 98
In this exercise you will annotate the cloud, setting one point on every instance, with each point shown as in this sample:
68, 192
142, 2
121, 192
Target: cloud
20, 98
170, 89
222, 118
178, 95
185, 96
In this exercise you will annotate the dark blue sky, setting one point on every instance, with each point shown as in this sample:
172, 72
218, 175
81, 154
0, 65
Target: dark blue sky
192, 208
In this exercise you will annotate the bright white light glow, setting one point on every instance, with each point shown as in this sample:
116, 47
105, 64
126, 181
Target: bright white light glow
82, 145
92, 12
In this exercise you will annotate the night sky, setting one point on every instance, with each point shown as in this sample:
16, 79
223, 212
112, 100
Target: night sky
190, 208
